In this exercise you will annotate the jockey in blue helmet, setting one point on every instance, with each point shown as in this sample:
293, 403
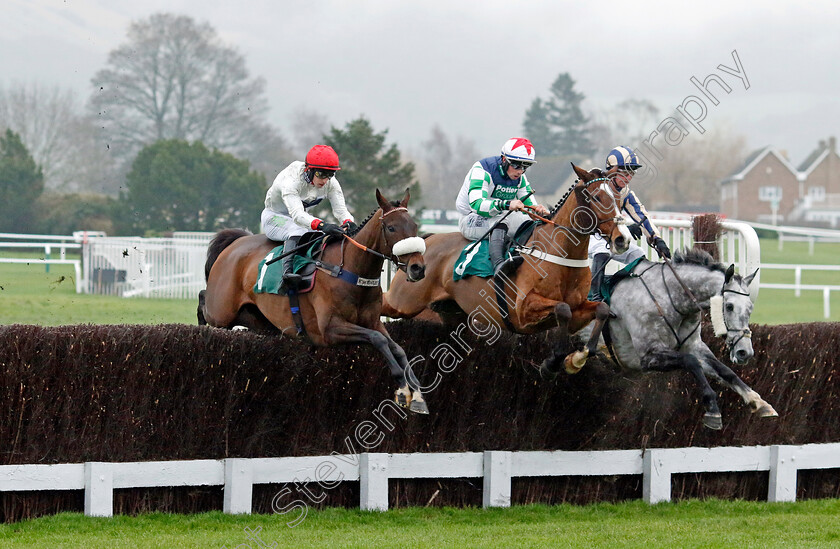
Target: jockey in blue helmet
620, 167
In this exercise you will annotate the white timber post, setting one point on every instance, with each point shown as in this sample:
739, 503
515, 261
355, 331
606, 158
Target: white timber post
782, 486
497, 479
656, 484
239, 486
373, 482
99, 489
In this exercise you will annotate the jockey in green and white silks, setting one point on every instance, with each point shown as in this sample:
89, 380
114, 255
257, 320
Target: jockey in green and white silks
493, 186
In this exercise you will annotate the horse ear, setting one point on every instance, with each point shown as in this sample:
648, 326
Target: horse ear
750, 278
383, 203
582, 174
729, 272
404, 201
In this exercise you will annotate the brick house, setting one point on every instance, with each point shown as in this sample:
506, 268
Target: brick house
820, 201
767, 188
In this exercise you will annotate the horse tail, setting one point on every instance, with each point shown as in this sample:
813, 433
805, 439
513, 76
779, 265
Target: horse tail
222, 240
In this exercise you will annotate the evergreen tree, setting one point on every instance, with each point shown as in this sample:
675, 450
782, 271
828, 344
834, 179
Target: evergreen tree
557, 126
367, 164
174, 185
21, 183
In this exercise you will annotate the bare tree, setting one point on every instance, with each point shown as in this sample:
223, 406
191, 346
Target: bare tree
61, 140
690, 172
628, 123
175, 79
308, 128
445, 165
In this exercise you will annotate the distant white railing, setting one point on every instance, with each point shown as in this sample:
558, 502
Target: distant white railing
146, 267
373, 470
738, 244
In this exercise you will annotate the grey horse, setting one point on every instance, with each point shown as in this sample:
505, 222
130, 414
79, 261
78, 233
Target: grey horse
656, 324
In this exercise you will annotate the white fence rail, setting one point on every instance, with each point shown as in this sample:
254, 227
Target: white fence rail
373, 470
738, 244
174, 267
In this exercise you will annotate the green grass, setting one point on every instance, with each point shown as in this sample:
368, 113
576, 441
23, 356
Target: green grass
782, 306
29, 295
710, 523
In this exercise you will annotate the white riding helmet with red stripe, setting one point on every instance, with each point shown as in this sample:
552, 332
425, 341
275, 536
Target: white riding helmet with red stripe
519, 149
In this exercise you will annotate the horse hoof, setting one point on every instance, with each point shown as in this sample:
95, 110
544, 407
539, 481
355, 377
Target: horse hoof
575, 361
713, 421
418, 407
402, 397
765, 410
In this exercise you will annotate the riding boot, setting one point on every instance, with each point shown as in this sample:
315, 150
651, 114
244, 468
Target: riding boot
599, 263
290, 279
498, 253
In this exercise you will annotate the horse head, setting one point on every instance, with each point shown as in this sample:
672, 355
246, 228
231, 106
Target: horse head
400, 240
737, 308
599, 210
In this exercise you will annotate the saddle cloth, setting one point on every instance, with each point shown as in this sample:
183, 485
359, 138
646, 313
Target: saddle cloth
270, 277
611, 281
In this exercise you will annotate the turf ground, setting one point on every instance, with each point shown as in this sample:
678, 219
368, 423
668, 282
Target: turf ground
29, 295
704, 524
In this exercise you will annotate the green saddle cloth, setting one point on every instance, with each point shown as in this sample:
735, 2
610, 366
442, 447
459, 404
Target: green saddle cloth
473, 261
611, 281
270, 277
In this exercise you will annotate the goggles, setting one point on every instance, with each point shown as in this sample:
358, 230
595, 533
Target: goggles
324, 174
520, 165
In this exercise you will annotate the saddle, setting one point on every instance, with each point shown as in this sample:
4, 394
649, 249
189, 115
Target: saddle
270, 277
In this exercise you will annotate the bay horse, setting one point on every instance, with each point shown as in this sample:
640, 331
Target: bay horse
549, 289
335, 311
656, 325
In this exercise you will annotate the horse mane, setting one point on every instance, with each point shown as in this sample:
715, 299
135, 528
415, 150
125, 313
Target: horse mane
594, 171
696, 256
394, 203
221, 241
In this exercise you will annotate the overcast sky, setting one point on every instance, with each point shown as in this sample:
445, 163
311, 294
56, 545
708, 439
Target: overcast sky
474, 67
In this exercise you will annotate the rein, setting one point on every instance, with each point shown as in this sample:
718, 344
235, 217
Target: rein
745, 332
410, 245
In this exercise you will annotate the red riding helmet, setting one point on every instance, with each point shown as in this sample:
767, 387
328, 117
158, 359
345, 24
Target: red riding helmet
322, 156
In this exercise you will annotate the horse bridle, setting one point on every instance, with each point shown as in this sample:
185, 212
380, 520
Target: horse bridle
743, 332
405, 246
618, 219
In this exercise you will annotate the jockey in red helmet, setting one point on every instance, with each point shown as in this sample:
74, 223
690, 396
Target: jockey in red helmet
298, 187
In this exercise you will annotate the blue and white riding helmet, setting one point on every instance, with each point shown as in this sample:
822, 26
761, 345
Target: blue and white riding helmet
624, 158
519, 149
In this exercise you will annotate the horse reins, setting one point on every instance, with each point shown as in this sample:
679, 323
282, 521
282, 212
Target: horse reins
394, 258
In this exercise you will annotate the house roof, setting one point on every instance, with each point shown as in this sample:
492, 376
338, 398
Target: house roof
814, 159
752, 161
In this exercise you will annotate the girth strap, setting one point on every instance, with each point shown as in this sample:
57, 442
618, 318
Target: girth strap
503, 306
294, 305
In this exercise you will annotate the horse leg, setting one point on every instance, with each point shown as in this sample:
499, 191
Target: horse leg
563, 314
340, 331
667, 360
201, 320
575, 361
725, 374
410, 392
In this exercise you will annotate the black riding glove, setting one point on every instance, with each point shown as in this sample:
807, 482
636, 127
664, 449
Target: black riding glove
661, 248
350, 227
635, 230
330, 228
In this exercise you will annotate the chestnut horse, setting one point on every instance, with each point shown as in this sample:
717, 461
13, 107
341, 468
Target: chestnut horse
335, 311
550, 287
